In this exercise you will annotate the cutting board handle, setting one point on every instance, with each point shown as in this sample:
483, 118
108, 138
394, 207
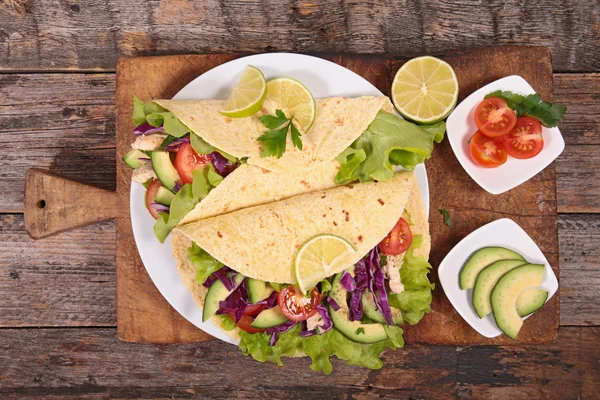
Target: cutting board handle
55, 204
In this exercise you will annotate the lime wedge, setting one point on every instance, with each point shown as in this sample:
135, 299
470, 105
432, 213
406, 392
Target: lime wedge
294, 99
247, 96
317, 257
425, 89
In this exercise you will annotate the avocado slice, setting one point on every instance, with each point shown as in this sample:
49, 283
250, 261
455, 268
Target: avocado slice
217, 293
269, 318
258, 290
353, 330
481, 259
164, 169
132, 158
485, 282
530, 301
371, 311
505, 294
164, 196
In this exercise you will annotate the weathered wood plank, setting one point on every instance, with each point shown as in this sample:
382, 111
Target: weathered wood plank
578, 179
81, 362
69, 279
64, 123
581, 94
63, 280
92, 34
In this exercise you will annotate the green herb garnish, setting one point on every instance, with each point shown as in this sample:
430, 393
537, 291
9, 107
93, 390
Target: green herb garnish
447, 219
532, 105
275, 138
360, 330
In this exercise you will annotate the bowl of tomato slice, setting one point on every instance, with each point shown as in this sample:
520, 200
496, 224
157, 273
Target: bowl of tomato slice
497, 148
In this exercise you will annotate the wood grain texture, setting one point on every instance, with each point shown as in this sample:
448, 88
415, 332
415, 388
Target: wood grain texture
578, 179
63, 280
82, 362
64, 123
54, 204
93, 34
581, 94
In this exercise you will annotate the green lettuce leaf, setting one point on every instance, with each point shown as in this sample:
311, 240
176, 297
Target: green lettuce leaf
415, 300
389, 140
205, 263
183, 202
155, 115
319, 348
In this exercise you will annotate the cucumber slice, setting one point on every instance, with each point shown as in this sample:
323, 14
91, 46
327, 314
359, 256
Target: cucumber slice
164, 169
132, 158
258, 290
164, 196
269, 318
217, 293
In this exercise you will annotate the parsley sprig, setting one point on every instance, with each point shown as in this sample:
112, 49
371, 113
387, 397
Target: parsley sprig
275, 138
533, 106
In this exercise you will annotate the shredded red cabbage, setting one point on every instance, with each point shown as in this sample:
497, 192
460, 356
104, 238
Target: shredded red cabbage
147, 129
270, 301
320, 329
177, 187
221, 164
226, 278
333, 303
176, 144
159, 207
377, 285
356, 310
274, 331
360, 275
146, 159
348, 282
235, 303
212, 277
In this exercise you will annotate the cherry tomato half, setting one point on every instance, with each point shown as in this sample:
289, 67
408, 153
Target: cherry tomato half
188, 160
151, 195
254, 309
398, 240
487, 152
245, 323
494, 118
525, 139
295, 305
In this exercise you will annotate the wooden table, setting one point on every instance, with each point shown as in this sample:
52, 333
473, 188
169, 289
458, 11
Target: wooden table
57, 307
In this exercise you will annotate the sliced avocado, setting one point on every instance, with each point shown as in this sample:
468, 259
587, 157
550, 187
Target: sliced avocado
258, 290
164, 169
371, 311
353, 330
269, 318
164, 196
531, 300
485, 282
132, 158
481, 259
505, 294
217, 293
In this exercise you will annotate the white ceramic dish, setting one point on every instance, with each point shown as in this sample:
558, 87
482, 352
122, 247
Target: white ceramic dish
323, 78
461, 126
503, 232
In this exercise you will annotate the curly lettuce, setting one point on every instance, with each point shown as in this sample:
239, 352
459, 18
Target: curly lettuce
205, 263
388, 141
156, 116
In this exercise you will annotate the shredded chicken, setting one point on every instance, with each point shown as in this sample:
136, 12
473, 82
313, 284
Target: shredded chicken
148, 142
314, 321
143, 173
392, 270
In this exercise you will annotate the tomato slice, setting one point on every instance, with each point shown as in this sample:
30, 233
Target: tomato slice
487, 152
525, 139
245, 323
295, 305
188, 160
254, 309
494, 118
151, 195
398, 240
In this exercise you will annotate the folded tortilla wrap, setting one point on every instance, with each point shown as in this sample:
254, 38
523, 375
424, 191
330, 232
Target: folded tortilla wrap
413, 212
261, 242
339, 121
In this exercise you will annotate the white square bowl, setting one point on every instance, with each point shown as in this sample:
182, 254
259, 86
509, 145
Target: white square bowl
502, 232
460, 126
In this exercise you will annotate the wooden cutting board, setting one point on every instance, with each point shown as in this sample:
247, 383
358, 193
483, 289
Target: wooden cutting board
143, 315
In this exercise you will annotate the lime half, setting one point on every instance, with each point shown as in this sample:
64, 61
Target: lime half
248, 95
425, 89
294, 99
317, 257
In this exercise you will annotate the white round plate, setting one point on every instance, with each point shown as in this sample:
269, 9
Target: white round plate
323, 78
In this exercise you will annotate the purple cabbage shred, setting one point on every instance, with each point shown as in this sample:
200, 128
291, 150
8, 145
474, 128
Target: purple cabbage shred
221, 164
147, 129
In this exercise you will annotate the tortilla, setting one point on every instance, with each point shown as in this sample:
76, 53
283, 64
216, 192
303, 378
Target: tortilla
250, 185
414, 211
339, 121
261, 242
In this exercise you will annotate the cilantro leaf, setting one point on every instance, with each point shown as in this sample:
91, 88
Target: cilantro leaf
447, 219
276, 137
528, 104
360, 331
532, 105
512, 99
